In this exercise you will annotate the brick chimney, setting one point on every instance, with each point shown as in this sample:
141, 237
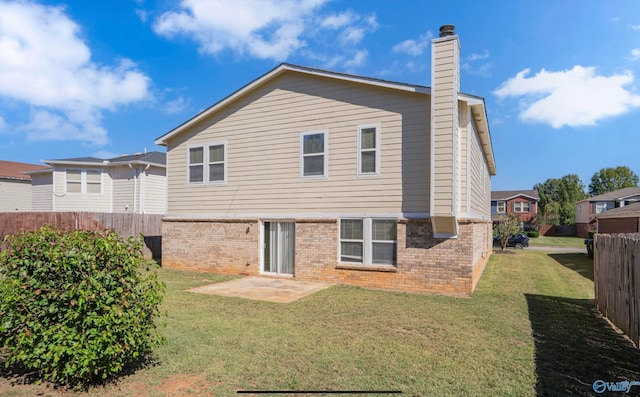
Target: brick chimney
445, 86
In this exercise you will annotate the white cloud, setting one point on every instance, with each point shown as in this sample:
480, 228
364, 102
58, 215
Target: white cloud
414, 47
358, 59
635, 54
472, 64
143, 15
267, 29
635, 27
46, 65
576, 97
338, 21
177, 105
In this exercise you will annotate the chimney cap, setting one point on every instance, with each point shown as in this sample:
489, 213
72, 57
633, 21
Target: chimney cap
447, 30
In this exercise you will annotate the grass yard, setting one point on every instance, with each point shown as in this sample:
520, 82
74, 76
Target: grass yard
529, 329
557, 241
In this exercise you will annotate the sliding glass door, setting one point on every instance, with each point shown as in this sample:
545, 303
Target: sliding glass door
279, 247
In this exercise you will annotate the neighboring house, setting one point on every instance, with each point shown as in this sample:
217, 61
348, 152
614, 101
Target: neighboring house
523, 203
15, 187
624, 219
587, 209
339, 178
129, 183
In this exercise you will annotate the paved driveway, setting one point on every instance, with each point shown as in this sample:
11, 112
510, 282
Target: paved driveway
582, 250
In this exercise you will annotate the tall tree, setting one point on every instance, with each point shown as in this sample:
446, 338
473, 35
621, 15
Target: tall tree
609, 179
558, 197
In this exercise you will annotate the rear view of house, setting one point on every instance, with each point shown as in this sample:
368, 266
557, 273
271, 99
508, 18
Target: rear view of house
523, 203
332, 177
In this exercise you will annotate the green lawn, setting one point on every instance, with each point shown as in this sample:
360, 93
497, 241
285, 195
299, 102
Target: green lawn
529, 329
557, 241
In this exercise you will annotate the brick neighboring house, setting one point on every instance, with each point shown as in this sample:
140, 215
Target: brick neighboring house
15, 186
129, 183
586, 210
524, 203
624, 219
332, 177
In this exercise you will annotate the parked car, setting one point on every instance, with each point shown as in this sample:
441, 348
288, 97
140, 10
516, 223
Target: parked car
518, 241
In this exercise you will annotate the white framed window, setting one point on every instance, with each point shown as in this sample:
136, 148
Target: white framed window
523, 206
501, 207
368, 241
313, 154
83, 181
603, 206
207, 163
369, 149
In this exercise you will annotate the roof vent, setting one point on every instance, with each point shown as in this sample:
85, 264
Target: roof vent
447, 30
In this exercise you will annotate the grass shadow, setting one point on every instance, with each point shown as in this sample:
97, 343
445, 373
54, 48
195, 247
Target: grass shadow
17, 374
575, 346
578, 262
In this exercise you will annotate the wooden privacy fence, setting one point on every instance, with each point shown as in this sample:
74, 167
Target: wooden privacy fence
617, 281
124, 224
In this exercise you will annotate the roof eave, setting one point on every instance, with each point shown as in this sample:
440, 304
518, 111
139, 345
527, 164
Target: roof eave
478, 111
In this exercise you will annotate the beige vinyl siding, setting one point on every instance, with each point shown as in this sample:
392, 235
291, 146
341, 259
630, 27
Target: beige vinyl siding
480, 179
15, 195
42, 192
97, 202
154, 185
445, 87
123, 189
262, 131
463, 158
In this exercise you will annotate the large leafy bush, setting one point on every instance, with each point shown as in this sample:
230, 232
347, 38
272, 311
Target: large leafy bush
76, 306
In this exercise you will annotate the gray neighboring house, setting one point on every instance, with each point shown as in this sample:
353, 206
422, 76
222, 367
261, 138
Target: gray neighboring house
126, 184
588, 209
15, 186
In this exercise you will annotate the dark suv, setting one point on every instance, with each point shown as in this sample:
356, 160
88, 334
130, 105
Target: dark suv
518, 241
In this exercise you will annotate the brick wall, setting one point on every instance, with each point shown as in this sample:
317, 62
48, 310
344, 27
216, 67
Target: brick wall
220, 246
424, 263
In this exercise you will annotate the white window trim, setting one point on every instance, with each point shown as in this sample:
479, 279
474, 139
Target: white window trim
205, 163
83, 181
504, 207
367, 246
518, 207
325, 153
376, 150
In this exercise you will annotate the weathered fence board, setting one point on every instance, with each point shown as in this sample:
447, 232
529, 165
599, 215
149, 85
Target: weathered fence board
617, 281
126, 225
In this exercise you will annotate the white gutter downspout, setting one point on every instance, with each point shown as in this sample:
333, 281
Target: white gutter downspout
135, 190
142, 188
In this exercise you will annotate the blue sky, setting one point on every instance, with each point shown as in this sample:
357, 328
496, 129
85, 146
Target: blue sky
561, 79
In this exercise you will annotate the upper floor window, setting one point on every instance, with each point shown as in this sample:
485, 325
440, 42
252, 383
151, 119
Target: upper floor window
369, 150
501, 207
214, 156
523, 206
603, 206
313, 154
84, 181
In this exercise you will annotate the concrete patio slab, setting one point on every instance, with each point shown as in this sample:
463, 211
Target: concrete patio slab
263, 288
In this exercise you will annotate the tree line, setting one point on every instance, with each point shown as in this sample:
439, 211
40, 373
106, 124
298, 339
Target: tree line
558, 196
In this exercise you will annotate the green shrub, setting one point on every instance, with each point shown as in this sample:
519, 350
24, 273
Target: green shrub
76, 306
533, 234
